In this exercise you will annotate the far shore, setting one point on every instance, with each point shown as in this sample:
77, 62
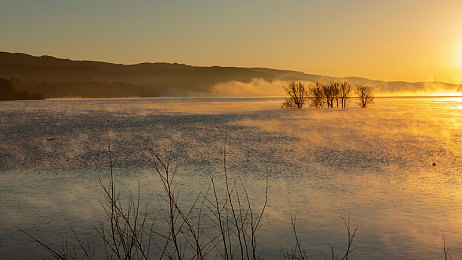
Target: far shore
432, 95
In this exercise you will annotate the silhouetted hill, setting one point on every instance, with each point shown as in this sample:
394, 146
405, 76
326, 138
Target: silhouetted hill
54, 77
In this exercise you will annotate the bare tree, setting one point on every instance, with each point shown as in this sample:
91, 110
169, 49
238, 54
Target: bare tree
335, 92
365, 95
298, 94
330, 92
344, 93
316, 95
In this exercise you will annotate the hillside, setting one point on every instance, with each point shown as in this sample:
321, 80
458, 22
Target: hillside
53, 77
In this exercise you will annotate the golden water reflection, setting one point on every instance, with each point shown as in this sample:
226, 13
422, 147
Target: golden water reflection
374, 163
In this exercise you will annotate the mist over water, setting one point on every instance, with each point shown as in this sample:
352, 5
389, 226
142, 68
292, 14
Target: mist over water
374, 163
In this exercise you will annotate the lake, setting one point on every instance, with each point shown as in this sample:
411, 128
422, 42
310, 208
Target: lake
374, 164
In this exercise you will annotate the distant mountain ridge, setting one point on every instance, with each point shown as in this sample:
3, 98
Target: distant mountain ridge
55, 77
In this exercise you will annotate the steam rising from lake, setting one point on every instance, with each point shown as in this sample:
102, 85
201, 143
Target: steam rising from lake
375, 163
264, 88
255, 88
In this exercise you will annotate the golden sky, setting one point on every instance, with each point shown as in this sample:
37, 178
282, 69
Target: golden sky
389, 40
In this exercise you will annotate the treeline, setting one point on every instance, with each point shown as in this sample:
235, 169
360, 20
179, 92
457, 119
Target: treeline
11, 89
334, 94
89, 89
9, 92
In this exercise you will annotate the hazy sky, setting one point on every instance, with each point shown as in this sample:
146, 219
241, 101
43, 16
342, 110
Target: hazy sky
390, 40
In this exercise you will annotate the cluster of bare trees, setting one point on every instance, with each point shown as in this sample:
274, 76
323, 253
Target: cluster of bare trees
329, 95
334, 94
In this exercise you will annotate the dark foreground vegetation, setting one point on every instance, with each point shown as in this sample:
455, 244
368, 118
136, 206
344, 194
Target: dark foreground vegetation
9, 92
334, 94
221, 223
128, 232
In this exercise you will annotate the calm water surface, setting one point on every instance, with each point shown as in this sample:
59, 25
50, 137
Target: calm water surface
374, 163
